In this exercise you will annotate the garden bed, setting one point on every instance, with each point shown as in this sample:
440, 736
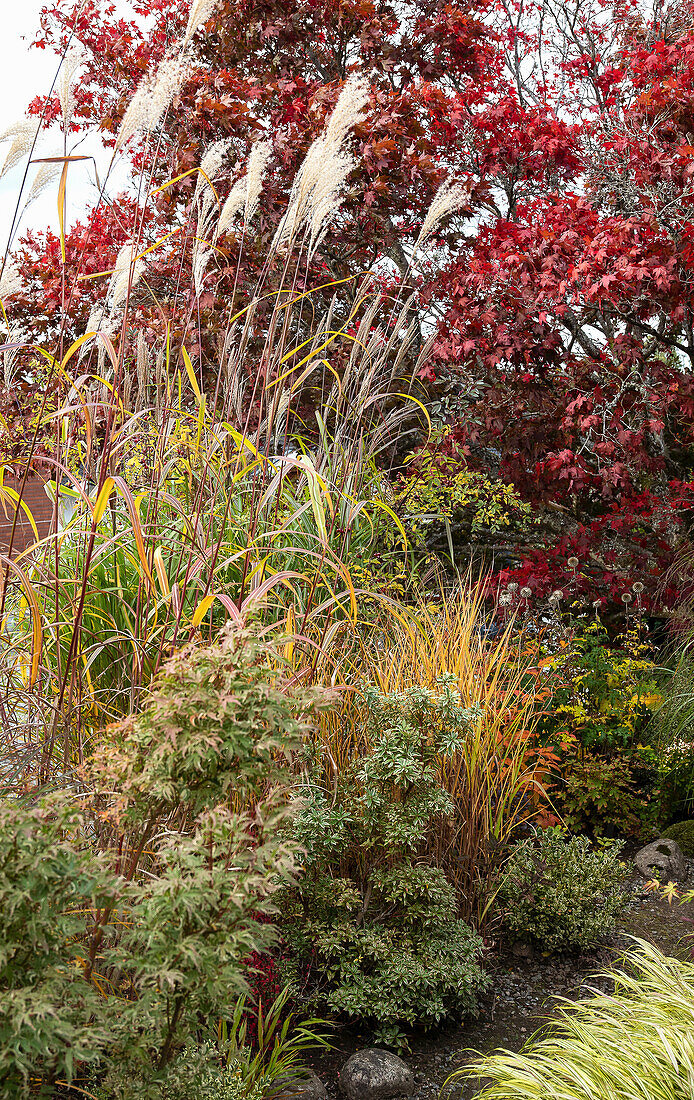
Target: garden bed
522, 990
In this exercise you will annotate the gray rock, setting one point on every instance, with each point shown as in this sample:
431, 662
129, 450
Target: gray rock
375, 1075
307, 1087
523, 950
662, 859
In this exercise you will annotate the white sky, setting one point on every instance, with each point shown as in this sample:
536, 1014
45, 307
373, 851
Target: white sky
24, 74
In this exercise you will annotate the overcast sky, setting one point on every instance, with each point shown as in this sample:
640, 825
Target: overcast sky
24, 74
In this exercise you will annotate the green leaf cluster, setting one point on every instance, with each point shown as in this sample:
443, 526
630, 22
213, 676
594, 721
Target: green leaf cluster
128, 925
376, 921
560, 894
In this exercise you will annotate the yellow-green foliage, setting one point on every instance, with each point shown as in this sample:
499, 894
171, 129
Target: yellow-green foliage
604, 694
636, 1043
436, 490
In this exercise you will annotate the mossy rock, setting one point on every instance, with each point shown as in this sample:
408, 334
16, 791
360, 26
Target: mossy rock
682, 832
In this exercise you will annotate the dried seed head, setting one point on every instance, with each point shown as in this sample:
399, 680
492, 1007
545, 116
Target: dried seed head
348, 111
152, 98
526, 593
142, 371
127, 273
10, 357
512, 586
43, 177
96, 315
557, 594
504, 599
200, 12
257, 167
235, 202
212, 160
572, 563
627, 597
322, 176
201, 258
74, 58
11, 280
21, 136
638, 588
448, 198
325, 199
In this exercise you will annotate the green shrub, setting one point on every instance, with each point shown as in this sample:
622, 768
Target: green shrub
682, 832
376, 921
561, 894
197, 1073
50, 1018
602, 695
119, 957
606, 797
632, 1044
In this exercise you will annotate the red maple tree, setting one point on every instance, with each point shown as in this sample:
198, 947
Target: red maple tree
561, 295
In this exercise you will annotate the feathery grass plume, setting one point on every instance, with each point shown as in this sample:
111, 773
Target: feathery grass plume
349, 109
257, 167
10, 357
11, 280
95, 323
321, 178
325, 200
95, 318
234, 203
202, 254
126, 274
212, 160
448, 198
22, 136
245, 193
152, 98
202, 250
200, 12
45, 174
74, 58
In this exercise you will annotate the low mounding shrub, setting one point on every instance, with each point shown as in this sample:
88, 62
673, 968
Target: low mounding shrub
634, 1043
682, 832
560, 893
375, 920
195, 1072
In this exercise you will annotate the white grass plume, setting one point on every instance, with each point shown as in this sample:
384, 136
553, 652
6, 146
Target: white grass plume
200, 12
233, 205
11, 281
245, 193
45, 174
448, 198
319, 182
10, 357
74, 58
349, 109
212, 160
21, 136
127, 273
257, 167
152, 98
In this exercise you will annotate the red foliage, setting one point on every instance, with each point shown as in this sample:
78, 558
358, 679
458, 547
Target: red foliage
564, 293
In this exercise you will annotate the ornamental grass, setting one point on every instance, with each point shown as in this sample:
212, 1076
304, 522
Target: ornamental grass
634, 1043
